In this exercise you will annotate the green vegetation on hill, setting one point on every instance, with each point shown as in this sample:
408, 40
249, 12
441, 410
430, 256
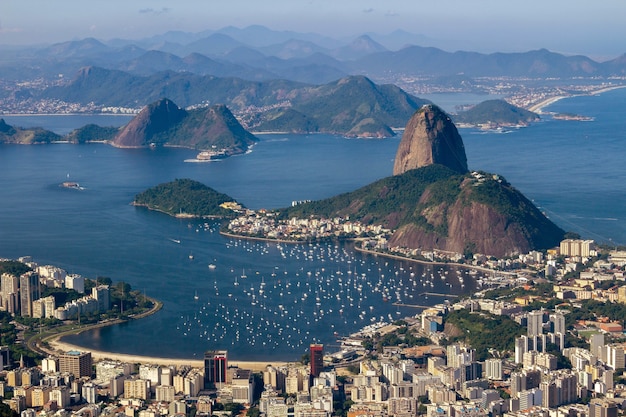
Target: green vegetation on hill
288, 120
484, 332
212, 128
435, 207
353, 106
391, 201
500, 195
497, 112
14, 268
92, 133
184, 197
12, 134
338, 107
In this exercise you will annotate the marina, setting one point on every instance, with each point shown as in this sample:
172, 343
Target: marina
297, 294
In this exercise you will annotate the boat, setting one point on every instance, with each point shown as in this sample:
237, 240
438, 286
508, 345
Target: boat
211, 266
191, 256
175, 240
211, 155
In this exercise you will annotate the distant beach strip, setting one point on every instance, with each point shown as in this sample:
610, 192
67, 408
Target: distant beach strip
538, 107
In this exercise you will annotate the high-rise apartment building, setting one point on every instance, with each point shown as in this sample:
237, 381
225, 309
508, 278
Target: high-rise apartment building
77, 363
29, 292
317, 359
215, 366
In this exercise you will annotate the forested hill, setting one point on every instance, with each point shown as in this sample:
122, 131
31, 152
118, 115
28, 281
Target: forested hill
498, 113
436, 207
185, 198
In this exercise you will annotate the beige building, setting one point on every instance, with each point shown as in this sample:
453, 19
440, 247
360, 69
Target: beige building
76, 363
165, 393
40, 396
577, 247
137, 388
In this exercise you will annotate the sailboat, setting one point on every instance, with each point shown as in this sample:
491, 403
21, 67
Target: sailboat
195, 297
243, 274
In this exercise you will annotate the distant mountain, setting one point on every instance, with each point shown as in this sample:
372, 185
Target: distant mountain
353, 106
496, 113
13, 134
164, 123
118, 88
360, 47
293, 48
443, 207
213, 45
373, 55
417, 60
185, 198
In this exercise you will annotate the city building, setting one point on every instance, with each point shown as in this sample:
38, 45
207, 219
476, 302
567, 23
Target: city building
215, 366
317, 359
76, 363
29, 292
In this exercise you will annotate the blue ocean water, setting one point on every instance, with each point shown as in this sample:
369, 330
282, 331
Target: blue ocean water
291, 295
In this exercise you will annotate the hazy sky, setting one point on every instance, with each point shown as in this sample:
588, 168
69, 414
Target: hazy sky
595, 28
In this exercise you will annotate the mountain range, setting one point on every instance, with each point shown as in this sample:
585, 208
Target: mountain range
258, 53
352, 106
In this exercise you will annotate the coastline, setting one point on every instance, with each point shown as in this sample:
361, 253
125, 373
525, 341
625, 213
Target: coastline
538, 107
57, 345
371, 252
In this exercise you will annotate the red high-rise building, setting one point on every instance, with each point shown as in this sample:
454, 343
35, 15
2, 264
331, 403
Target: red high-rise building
215, 366
317, 359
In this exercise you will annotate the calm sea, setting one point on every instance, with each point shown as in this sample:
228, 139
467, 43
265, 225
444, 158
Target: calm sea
268, 301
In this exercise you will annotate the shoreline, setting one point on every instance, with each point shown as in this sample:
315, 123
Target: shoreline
66, 114
538, 107
371, 252
58, 345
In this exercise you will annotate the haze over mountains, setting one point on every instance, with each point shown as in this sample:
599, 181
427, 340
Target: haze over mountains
258, 53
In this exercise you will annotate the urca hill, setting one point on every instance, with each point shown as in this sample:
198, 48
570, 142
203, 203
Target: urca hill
433, 201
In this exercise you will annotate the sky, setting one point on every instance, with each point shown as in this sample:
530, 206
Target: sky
594, 29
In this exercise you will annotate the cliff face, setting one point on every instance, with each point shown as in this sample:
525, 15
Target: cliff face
151, 121
429, 138
473, 223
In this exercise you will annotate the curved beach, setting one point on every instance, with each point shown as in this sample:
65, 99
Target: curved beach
57, 344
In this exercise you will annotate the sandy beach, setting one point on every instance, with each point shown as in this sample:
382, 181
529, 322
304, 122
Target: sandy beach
538, 107
61, 346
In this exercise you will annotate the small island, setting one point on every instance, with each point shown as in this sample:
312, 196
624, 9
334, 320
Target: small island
495, 114
571, 116
187, 198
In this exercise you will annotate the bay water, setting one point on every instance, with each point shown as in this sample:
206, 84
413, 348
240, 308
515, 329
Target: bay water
266, 300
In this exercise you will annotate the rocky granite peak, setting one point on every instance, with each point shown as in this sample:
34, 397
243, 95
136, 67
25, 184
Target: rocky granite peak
153, 120
430, 137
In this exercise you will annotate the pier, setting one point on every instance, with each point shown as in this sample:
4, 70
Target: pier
440, 295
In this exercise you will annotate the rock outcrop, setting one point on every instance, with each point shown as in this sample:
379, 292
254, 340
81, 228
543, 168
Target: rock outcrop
429, 138
153, 120
433, 202
164, 123
487, 216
